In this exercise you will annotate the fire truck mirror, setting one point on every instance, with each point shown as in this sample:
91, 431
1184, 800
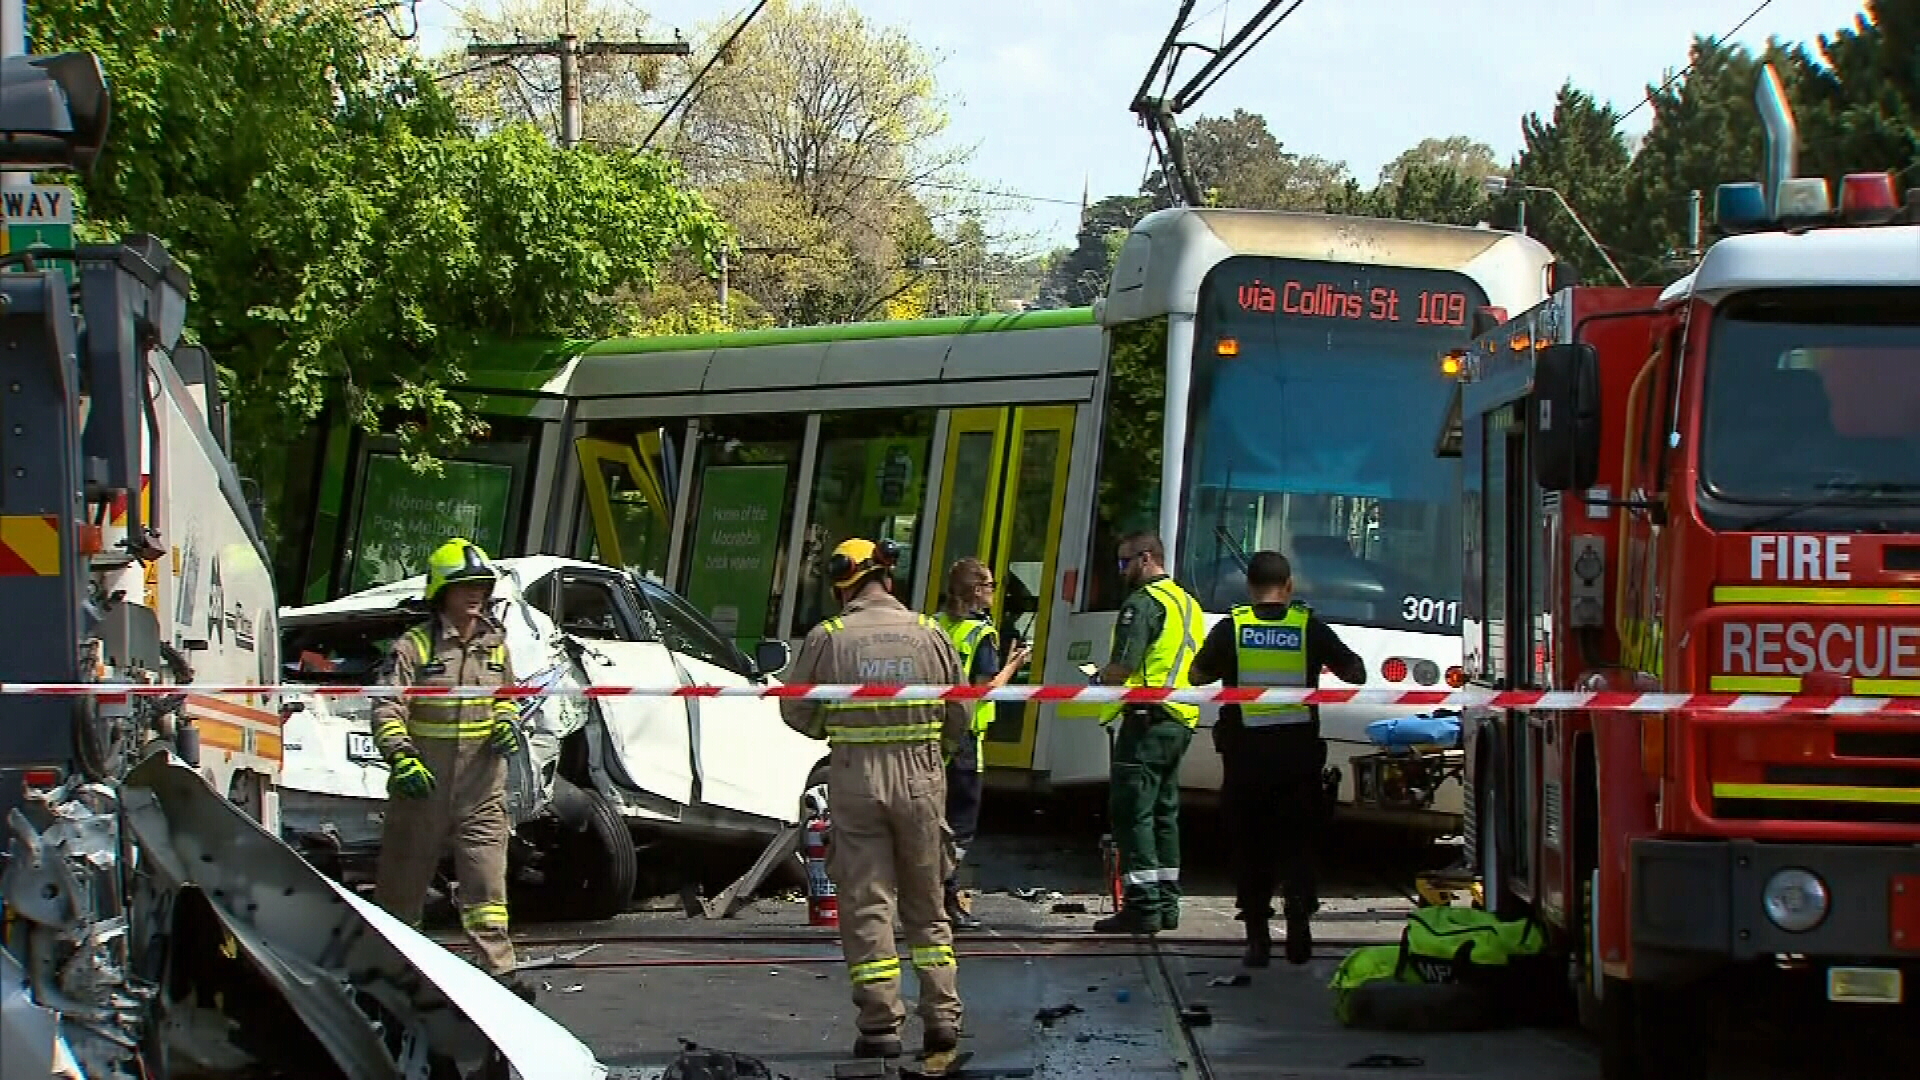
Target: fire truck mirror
1566, 417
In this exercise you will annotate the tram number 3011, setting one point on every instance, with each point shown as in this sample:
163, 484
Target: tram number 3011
1430, 609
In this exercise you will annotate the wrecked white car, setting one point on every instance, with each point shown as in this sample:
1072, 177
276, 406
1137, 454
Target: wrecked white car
591, 770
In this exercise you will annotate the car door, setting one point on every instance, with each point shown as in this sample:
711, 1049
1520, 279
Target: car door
651, 737
748, 759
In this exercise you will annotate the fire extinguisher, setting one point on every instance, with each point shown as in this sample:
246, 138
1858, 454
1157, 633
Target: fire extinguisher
823, 907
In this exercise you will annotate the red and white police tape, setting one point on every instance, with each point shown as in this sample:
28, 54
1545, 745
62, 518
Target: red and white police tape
1538, 700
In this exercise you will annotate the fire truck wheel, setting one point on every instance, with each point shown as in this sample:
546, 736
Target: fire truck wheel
1493, 871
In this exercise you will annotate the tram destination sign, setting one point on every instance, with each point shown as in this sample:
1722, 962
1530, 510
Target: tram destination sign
1246, 288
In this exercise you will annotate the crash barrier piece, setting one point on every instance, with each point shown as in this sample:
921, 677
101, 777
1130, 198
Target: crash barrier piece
1534, 700
1454, 969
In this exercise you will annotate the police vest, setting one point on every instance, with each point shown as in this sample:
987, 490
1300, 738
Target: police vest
1171, 654
1272, 652
967, 635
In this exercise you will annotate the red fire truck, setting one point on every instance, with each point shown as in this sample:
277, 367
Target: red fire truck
1711, 488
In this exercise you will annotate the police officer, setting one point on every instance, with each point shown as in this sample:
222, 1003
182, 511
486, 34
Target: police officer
448, 759
965, 619
887, 783
1272, 755
1155, 637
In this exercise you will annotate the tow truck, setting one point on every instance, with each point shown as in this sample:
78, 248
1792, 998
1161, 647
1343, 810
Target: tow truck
1708, 488
155, 925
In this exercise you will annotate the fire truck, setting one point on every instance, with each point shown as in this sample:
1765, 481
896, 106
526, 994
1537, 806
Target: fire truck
1711, 488
152, 922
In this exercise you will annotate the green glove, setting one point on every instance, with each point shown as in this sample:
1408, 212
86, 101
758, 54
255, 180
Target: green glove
410, 779
504, 739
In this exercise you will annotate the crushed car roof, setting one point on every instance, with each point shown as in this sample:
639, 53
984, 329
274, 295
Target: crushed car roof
526, 569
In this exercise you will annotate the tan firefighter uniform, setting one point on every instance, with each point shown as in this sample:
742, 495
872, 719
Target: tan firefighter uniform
887, 792
467, 809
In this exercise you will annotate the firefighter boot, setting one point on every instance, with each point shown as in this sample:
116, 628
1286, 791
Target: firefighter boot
939, 1045
957, 913
1260, 942
521, 988
885, 1044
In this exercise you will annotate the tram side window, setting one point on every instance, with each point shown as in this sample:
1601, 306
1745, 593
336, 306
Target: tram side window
630, 475
745, 481
869, 481
1132, 432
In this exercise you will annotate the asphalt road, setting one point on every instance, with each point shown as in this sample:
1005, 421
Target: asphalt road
1047, 999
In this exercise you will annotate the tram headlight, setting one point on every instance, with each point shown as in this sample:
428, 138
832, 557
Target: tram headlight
1796, 900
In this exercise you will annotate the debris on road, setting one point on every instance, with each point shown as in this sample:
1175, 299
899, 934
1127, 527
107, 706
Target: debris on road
1046, 1017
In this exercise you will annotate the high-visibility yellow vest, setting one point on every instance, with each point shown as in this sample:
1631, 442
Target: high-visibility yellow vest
1272, 652
967, 635
1171, 654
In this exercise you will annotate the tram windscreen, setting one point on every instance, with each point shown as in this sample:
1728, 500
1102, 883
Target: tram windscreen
1316, 402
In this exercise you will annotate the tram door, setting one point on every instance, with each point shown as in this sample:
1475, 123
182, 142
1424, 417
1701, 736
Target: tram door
1003, 493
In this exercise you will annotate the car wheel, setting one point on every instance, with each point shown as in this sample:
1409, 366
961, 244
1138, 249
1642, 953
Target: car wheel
593, 872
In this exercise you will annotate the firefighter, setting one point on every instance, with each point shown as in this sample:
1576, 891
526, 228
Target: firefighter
887, 782
1272, 756
1154, 638
448, 784
967, 621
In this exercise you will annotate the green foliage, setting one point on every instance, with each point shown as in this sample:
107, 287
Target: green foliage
1237, 161
1577, 152
1129, 496
350, 242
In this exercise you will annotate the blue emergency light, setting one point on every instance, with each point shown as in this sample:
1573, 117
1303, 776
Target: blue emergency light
1739, 207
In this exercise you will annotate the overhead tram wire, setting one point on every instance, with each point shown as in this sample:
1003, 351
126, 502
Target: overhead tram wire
1682, 73
1158, 113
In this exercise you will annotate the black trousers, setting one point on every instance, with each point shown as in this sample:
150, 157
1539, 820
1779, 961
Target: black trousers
963, 814
1276, 811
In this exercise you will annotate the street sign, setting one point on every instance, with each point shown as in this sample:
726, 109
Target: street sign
38, 215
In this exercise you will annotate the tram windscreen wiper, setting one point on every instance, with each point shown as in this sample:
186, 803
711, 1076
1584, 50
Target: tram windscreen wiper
1837, 493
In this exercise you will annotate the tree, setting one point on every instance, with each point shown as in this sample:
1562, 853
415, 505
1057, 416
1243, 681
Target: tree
1078, 276
1237, 162
815, 137
1862, 105
1455, 153
349, 243
1436, 193
1577, 152
620, 96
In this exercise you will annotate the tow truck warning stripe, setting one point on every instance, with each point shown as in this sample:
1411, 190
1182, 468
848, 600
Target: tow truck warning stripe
29, 545
1810, 793
1814, 594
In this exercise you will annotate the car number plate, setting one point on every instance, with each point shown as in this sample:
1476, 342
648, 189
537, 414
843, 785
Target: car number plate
1864, 985
360, 747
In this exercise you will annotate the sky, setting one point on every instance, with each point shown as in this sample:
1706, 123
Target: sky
1041, 87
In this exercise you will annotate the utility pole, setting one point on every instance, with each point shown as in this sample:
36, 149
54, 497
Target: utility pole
570, 49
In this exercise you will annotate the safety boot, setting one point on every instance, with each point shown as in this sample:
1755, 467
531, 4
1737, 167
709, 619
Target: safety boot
1299, 935
1129, 920
521, 988
885, 1044
958, 915
1259, 942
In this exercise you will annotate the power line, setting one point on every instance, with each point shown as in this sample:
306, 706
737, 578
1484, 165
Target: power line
1678, 75
569, 48
702, 73
902, 181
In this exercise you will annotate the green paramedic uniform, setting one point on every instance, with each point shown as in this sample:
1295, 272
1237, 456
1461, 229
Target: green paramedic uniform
1158, 631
